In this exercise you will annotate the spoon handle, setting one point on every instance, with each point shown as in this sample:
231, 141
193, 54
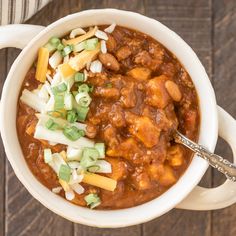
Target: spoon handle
217, 162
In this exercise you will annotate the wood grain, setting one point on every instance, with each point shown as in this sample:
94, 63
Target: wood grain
3, 68
224, 57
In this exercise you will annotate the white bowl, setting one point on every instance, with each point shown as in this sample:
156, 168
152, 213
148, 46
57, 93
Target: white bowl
199, 199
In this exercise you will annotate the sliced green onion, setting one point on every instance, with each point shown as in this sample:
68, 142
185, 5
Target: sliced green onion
74, 153
94, 168
91, 44
91, 88
47, 155
67, 50
59, 102
62, 87
73, 133
101, 149
92, 200
83, 88
90, 152
50, 47
79, 47
57, 114
89, 157
55, 41
82, 113
83, 99
75, 93
68, 100
87, 162
72, 116
64, 173
79, 77
51, 125
60, 47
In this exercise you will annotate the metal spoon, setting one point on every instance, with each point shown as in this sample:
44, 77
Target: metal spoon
217, 162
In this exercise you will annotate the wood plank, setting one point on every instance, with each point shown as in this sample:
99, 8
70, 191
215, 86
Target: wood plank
192, 21
224, 12
3, 57
24, 214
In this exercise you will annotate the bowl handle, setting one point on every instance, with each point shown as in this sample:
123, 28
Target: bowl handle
224, 195
18, 35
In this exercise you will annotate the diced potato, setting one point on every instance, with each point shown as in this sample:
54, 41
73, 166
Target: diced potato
123, 52
65, 70
100, 181
81, 38
110, 136
126, 149
143, 128
142, 181
155, 171
119, 169
168, 178
140, 73
175, 155
42, 65
128, 96
79, 61
156, 93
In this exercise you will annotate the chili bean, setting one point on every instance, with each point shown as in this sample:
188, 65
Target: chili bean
109, 61
173, 90
111, 44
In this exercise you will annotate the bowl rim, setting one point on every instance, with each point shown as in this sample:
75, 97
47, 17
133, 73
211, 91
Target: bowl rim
128, 216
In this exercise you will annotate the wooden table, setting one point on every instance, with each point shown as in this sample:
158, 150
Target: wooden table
209, 26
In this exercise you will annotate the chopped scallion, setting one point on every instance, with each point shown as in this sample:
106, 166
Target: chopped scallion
62, 87
68, 101
82, 113
50, 47
79, 77
83, 88
55, 41
83, 99
79, 47
57, 114
71, 116
67, 50
64, 173
91, 44
94, 168
92, 200
91, 88
47, 155
89, 157
60, 47
51, 125
101, 149
73, 133
75, 93
59, 102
